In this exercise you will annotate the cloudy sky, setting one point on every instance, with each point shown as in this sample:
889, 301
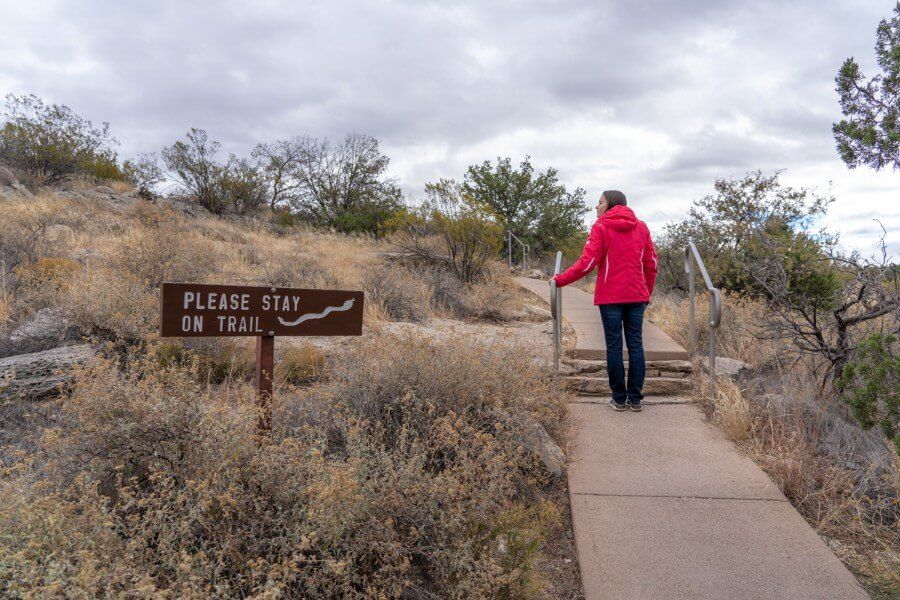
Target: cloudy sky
656, 98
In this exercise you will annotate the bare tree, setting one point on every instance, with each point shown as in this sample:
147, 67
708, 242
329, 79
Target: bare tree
832, 327
279, 161
344, 185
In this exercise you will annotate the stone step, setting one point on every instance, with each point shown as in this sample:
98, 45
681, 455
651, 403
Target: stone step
655, 368
653, 386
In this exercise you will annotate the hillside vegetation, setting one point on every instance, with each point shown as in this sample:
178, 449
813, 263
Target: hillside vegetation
397, 466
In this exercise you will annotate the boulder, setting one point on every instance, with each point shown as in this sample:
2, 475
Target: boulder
537, 274
731, 367
536, 440
40, 375
46, 325
538, 313
15, 191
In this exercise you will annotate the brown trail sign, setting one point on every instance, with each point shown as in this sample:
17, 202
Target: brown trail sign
202, 310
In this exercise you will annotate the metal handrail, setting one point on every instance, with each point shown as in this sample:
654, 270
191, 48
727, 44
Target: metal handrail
556, 312
510, 236
692, 259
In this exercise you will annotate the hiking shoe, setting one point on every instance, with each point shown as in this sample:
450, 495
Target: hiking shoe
636, 407
616, 406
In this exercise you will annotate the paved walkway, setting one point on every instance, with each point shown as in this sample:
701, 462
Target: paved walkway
664, 506
584, 317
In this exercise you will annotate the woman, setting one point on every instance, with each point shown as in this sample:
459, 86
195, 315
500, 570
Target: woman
620, 247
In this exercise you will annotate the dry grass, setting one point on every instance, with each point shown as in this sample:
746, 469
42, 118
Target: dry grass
391, 473
119, 187
394, 479
120, 260
843, 480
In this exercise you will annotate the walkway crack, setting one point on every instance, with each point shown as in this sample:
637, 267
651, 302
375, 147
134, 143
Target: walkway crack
674, 496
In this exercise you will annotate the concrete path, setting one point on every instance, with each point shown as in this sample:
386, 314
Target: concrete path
579, 311
664, 506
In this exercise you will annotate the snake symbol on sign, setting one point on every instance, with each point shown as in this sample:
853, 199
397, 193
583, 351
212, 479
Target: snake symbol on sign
320, 315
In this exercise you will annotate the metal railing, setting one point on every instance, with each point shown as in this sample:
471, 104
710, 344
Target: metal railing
510, 236
692, 261
556, 312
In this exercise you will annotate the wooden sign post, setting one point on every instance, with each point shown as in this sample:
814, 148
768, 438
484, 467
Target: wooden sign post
202, 310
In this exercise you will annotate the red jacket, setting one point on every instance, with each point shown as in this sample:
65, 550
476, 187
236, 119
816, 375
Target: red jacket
620, 247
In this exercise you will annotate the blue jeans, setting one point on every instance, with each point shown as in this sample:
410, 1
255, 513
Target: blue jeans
629, 317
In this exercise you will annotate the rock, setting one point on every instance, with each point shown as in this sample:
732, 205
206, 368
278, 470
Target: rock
6, 176
21, 189
536, 440
541, 314
102, 189
47, 324
731, 367
84, 255
537, 274
41, 375
15, 191
653, 386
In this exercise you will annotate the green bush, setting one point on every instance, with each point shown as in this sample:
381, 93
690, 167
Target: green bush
871, 384
47, 143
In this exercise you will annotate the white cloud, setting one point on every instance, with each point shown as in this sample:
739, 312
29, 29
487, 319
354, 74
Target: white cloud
656, 98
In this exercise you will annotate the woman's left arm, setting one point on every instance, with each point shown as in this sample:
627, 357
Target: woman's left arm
590, 258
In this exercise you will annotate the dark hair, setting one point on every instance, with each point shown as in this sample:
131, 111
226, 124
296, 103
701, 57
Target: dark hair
614, 198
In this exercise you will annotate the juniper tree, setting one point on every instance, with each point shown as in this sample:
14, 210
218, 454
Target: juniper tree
870, 132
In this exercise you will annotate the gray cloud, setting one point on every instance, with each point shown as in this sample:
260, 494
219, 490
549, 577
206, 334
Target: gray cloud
655, 97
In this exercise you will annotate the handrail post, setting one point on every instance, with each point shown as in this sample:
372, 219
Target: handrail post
693, 261
510, 236
556, 312
693, 321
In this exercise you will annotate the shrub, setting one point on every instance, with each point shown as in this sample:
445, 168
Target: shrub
221, 360
299, 364
871, 385
143, 173
113, 305
446, 233
44, 282
153, 484
165, 250
399, 292
48, 143
244, 186
25, 239
194, 165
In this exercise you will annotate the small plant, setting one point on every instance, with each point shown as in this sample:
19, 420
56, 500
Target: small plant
398, 291
143, 173
871, 385
298, 365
